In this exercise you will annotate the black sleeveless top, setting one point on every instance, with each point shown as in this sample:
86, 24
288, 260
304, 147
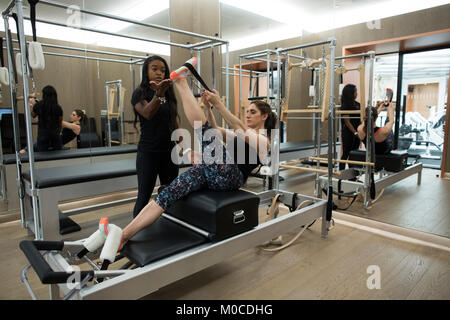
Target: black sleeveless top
385, 146
156, 132
67, 135
245, 156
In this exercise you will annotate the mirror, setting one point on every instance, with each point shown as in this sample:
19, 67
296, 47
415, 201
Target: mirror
422, 99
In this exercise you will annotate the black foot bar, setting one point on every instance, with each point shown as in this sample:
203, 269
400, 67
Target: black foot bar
42, 268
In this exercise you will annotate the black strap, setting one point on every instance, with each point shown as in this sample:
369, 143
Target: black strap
196, 75
330, 203
339, 187
213, 67
33, 4
14, 15
293, 207
1, 52
11, 53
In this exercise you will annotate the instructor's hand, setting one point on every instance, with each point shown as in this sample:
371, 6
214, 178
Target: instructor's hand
161, 87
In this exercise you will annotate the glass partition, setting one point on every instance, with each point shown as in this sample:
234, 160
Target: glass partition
424, 94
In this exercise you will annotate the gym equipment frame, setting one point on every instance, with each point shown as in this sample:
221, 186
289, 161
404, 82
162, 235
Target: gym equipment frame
208, 42
141, 281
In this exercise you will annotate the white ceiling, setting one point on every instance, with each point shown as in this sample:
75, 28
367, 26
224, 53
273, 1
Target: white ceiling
244, 23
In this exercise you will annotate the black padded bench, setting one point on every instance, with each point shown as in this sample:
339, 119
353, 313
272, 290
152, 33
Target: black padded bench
55, 159
392, 162
73, 182
219, 215
71, 154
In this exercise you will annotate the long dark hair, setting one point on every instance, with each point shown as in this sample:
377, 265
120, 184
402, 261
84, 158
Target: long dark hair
374, 117
170, 94
348, 95
48, 113
82, 115
265, 108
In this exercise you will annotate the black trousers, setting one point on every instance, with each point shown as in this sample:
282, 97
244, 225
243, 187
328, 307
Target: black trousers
49, 140
349, 142
150, 165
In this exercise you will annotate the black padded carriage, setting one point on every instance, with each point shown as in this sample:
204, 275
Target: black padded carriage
221, 214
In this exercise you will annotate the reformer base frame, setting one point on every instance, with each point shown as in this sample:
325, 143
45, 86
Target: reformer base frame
387, 179
139, 282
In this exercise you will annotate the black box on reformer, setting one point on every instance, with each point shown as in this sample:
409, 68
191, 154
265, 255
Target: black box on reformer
393, 162
221, 213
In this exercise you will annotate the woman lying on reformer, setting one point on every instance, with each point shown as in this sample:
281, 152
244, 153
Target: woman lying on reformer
226, 175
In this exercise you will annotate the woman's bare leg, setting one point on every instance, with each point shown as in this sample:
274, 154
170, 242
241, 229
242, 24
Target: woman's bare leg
147, 216
191, 108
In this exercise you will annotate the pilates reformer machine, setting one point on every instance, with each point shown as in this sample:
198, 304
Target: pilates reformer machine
291, 150
294, 153
198, 231
369, 174
34, 221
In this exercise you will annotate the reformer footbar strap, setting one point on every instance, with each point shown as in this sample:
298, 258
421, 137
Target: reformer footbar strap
13, 61
1, 52
33, 4
14, 15
294, 197
196, 75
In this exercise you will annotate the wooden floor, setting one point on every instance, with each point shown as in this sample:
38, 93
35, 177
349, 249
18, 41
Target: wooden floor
423, 207
311, 268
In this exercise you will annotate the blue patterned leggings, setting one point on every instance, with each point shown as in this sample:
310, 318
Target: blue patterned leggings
218, 177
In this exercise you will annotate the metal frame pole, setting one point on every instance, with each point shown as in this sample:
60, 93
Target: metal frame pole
89, 50
109, 16
240, 88
275, 143
227, 76
268, 77
108, 124
331, 140
36, 213
122, 133
317, 136
370, 140
15, 118
213, 71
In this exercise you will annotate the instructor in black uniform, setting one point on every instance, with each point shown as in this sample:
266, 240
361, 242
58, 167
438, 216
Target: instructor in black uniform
350, 139
155, 105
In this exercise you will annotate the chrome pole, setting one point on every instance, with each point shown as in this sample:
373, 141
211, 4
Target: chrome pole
23, 50
12, 90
